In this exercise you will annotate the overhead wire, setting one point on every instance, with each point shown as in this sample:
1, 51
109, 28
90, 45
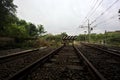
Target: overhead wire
105, 22
110, 23
104, 12
94, 4
95, 9
114, 16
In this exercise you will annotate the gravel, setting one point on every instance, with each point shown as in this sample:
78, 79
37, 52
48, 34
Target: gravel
10, 51
7, 69
107, 64
63, 66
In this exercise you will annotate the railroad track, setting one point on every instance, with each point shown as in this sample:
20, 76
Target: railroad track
110, 51
11, 56
107, 64
64, 63
12, 63
116, 51
8, 57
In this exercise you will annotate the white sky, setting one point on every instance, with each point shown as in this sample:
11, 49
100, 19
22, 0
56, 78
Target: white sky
66, 15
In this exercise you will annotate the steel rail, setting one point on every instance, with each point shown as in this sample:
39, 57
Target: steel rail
23, 74
94, 70
17, 53
108, 51
8, 57
116, 51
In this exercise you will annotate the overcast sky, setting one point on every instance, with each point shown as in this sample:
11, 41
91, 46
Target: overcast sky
67, 15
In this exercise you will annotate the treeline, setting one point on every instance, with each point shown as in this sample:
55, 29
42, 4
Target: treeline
108, 38
11, 27
15, 32
26, 34
22, 29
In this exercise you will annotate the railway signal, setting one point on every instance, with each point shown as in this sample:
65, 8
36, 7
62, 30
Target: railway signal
68, 39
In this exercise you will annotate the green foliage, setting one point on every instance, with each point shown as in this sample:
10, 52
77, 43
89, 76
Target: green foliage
16, 31
41, 30
54, 40
110, 38
31, 29
11, 26
21, 23
82, 37
7, 6
7, 14
64, 34
113, 38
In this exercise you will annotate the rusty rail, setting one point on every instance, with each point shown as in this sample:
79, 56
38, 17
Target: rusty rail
23, 74
107, 51
92, 68
8, 57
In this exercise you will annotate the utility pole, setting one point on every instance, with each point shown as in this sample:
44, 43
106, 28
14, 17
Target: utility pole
119, 14
85, 35
89, 30
105, 41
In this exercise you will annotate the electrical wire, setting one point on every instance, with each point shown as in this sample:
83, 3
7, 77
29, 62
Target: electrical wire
104, 12
94, 5
108, 24
95, 9
114, 16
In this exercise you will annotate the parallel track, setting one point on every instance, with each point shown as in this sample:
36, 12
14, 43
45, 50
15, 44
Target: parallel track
110, 51
9, 65
60, 64
107, 62
6, 58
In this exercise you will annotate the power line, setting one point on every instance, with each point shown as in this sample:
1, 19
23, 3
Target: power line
108, 24
95, 9
84, 20
104, 11
114, 16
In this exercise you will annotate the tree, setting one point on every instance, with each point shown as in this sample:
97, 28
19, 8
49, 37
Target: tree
81, 37
21, 23
16, 31
64, 34
31, 29
7, 13
41, 30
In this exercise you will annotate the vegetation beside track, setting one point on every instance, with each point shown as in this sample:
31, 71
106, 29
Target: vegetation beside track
109, 38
